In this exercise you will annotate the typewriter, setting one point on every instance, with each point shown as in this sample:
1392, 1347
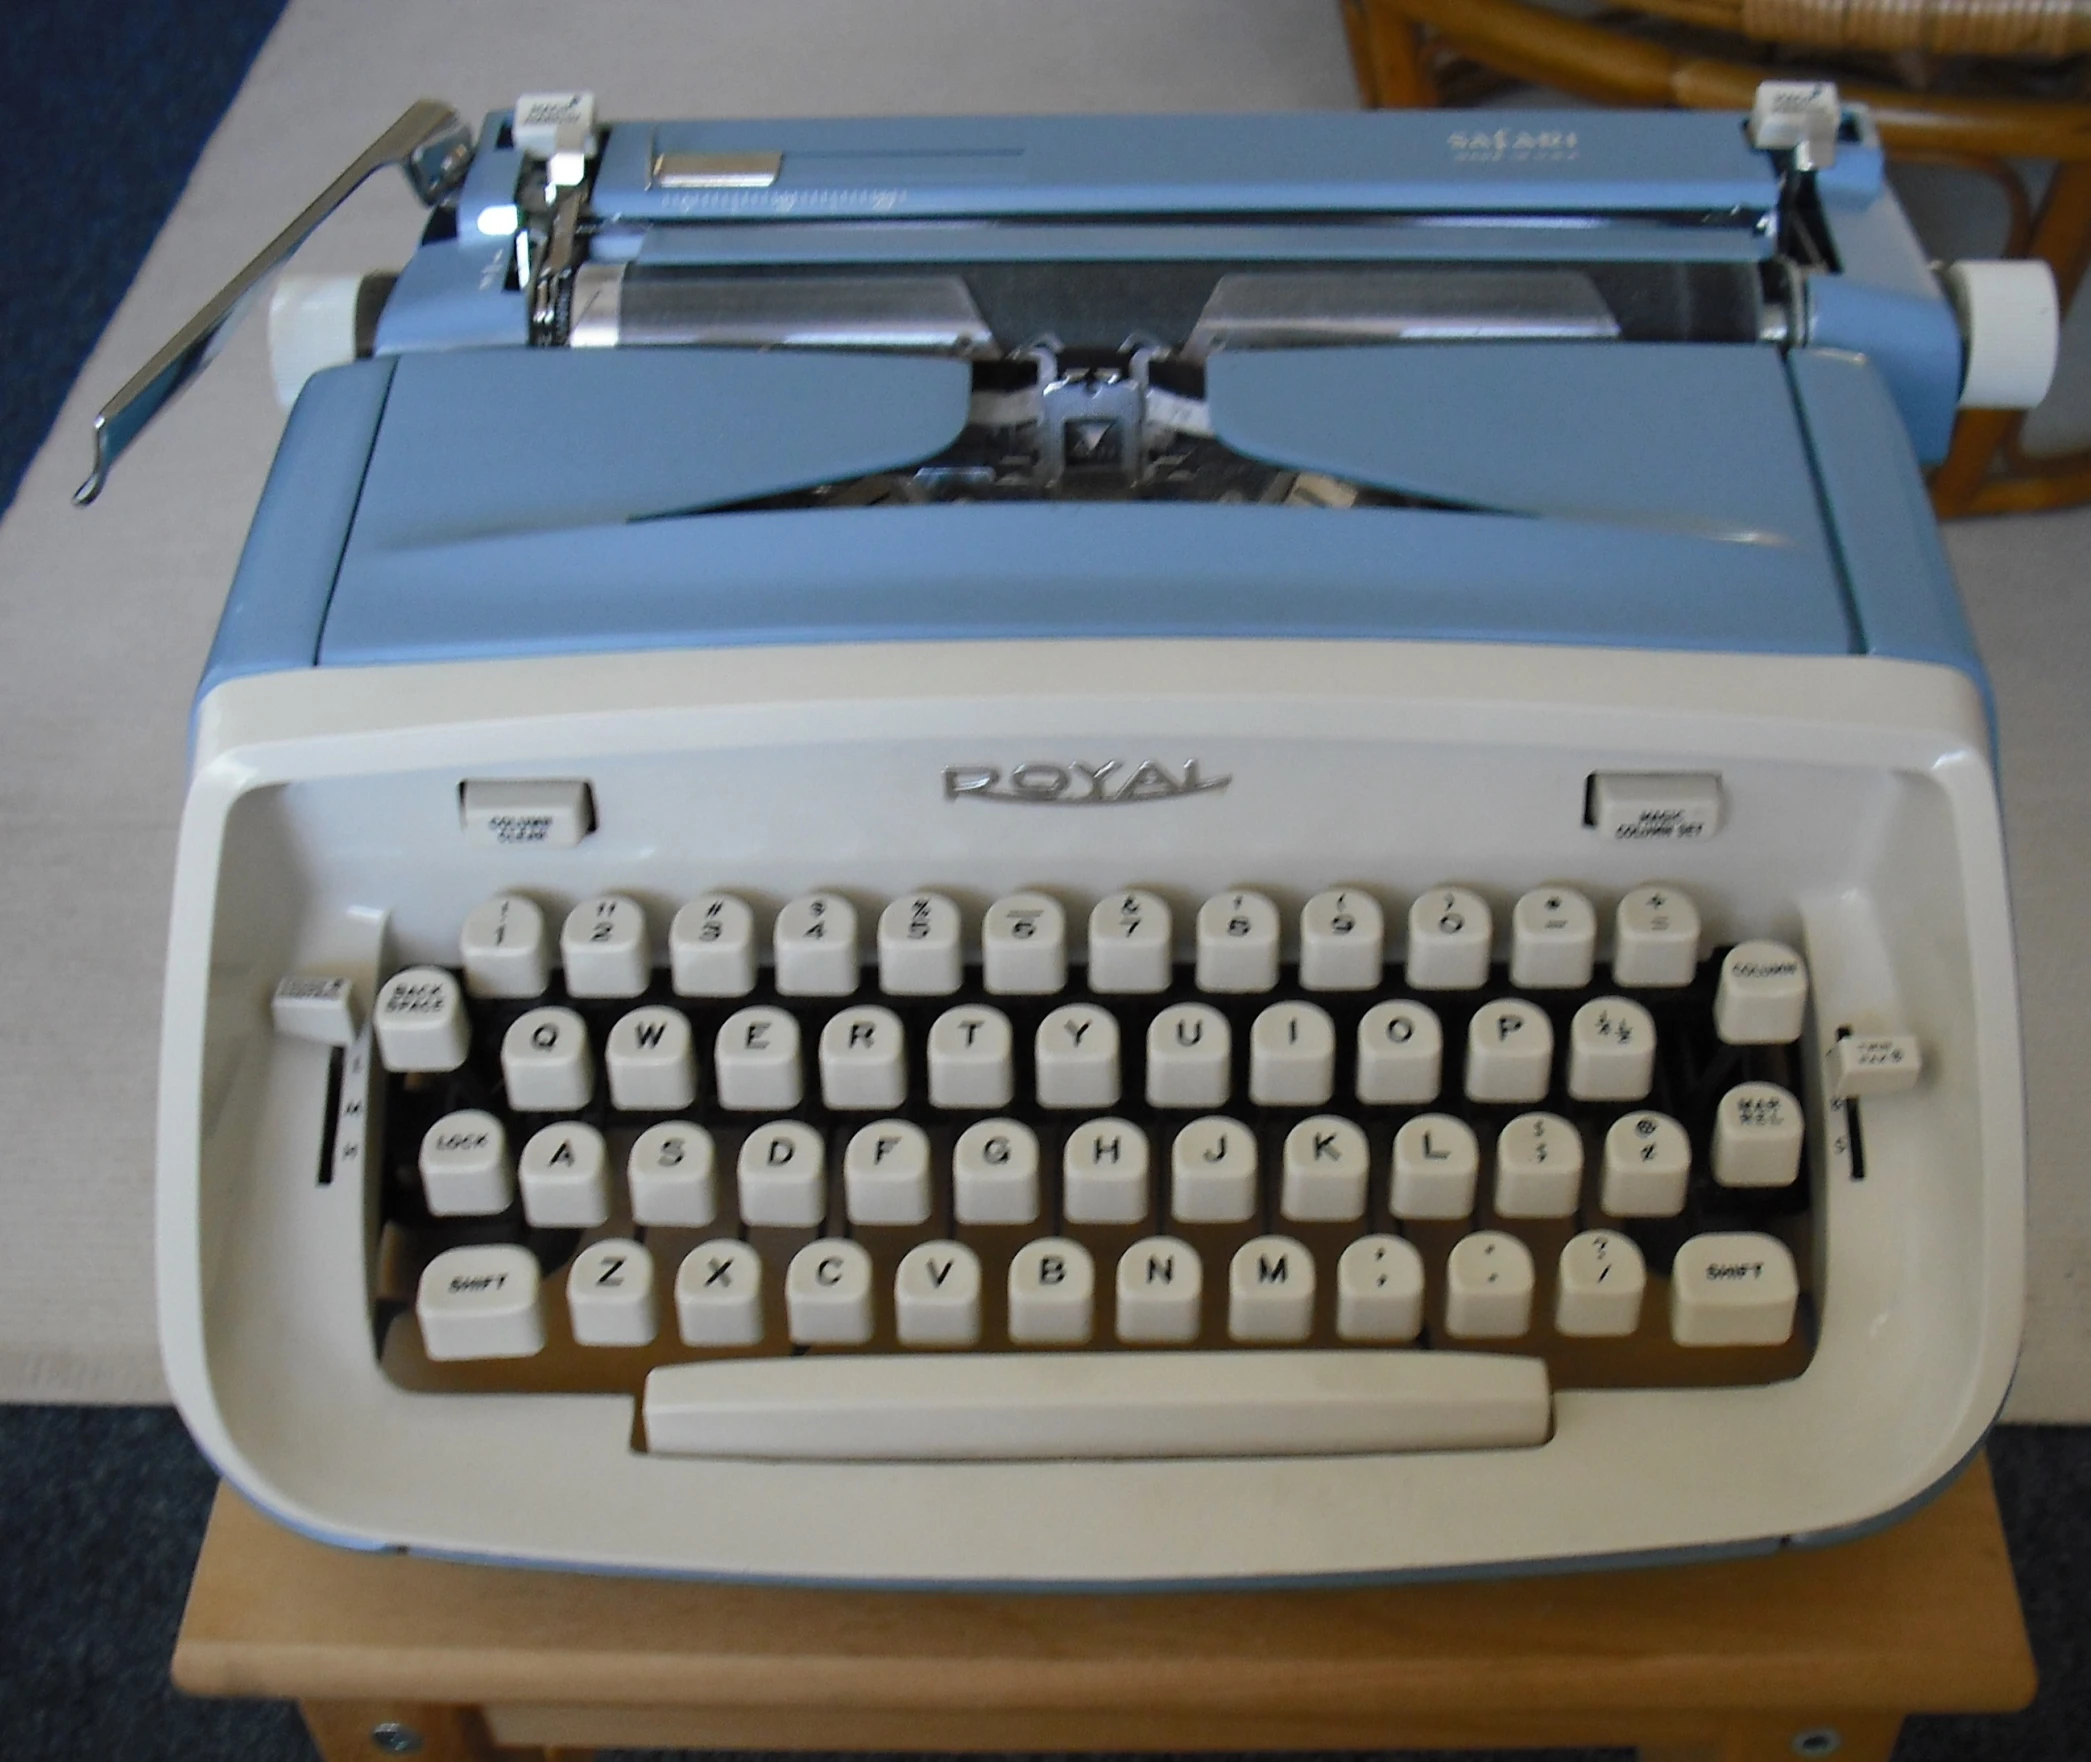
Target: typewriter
1101, 852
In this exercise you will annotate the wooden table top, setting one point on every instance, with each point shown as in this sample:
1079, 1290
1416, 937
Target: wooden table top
1923, 1616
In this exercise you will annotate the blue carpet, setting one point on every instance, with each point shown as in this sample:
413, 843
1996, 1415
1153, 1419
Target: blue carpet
105, 1510
112, 101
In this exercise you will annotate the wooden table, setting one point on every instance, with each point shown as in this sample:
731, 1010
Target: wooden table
1804, 1653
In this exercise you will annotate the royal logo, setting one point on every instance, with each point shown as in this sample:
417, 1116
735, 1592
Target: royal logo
1114, 783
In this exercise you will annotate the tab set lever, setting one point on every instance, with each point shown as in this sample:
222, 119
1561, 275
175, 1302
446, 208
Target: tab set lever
429, 142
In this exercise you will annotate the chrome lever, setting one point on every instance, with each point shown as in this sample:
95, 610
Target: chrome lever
429, 142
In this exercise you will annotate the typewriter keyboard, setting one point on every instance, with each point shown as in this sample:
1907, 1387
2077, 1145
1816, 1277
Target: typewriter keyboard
892, 1138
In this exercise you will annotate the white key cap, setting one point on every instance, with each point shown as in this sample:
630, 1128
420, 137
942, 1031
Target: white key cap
465, 1170
1131, 943
781, 1175
1270, 1290
718, 1295
1874, 1064
711, 947
755, 1058
994, 1173
1327, 1164
1237, 943
1450, 934
1733, 1289
886, 1174
921, 951
480, 1302
420, 1021
1757, 1137
672, 1176
1343, 941
1655, 938
863, 1059
1052, 1293
1077, 1057
1763, 995
1212, 1172
547, 813
315, 1007
1023, 946
972, 1058
1675, 807
564, 1172
652, 1064
1190, 1057
1611, 1051
1437, 1163
827, 1293
1539, 1167
1488, 1287
1292, 1056
1602, 1280
1510, 1051
1648, 1159
936, 1295
609, 1294
604, 949
1104, 1174
815, 943
545, 1061
1379, 1290
1107, 1405
1401, 1054
1160, 1284
502, 946
1553, 940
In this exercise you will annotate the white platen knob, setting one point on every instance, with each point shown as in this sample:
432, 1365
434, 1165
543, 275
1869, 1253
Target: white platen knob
2011, 321
312, 326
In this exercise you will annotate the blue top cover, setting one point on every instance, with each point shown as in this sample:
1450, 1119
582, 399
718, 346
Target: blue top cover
467, 495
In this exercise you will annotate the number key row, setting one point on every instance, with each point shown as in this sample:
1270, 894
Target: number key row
605, 948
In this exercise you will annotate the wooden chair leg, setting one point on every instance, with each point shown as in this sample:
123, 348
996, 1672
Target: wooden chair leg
379, 1731
1957, 484
2034, 492
1386, 54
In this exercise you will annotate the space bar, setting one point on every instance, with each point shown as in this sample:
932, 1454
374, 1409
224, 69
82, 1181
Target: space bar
1062, 1405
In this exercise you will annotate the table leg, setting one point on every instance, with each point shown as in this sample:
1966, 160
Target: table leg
1835, 1737
376, 1731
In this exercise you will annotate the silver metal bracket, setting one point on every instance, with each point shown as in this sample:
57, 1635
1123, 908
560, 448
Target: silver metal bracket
713, 171
1091, 422
552, 272
430, 143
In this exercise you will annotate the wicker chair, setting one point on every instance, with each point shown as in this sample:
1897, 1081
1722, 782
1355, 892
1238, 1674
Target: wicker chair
1691, 54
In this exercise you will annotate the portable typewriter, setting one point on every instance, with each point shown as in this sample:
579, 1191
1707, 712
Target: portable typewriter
1101, 851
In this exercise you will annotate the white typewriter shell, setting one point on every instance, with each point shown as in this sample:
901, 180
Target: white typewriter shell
322, 833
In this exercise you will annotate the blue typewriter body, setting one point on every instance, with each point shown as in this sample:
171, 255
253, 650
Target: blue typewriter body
1282, 592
